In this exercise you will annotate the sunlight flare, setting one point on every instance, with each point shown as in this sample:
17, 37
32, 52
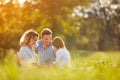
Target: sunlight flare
21, 1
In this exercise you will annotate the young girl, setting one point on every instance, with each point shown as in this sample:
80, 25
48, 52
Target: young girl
25, 53
62, 54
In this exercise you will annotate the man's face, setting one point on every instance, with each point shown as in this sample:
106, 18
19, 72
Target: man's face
47, 38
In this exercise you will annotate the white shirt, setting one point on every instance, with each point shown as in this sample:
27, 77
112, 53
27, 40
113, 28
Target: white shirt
62, 57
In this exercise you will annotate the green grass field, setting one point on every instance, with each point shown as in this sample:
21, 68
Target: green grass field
85, 66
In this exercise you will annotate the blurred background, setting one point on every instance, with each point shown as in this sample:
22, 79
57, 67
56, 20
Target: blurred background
92, 25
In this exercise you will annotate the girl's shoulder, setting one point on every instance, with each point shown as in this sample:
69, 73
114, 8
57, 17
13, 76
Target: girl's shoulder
61, 50
39, 41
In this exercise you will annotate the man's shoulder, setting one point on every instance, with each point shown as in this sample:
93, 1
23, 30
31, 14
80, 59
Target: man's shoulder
39, 41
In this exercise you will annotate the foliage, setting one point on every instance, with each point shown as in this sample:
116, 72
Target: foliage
101, 26
85, 66
97, 29
34, 14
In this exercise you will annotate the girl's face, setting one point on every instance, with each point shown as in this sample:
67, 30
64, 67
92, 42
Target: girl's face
54, 48
33, 41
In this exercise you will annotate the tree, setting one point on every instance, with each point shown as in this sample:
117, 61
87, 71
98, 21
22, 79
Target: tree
35, 14
102, 24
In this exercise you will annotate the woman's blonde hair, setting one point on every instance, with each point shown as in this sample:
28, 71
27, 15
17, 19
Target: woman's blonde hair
27, 36
58, 43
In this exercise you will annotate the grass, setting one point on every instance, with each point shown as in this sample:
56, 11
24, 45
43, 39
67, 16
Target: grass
85, 66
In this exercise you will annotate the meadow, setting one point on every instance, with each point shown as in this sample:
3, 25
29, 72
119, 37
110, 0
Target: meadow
85, 65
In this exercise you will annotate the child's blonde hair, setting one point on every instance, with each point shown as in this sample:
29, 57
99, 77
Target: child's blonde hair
27, 37
58, 43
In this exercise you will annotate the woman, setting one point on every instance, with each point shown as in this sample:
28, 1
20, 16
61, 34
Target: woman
27, 41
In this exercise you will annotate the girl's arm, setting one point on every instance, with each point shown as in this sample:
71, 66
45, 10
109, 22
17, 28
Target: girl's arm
58, 58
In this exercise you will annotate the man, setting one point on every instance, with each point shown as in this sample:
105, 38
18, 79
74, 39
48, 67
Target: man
46, 54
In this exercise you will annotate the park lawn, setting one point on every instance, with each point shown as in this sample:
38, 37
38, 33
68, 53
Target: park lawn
85, 65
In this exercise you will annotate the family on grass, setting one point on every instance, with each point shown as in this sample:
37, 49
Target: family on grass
50, 52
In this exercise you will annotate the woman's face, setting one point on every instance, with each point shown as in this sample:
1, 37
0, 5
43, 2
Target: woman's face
33, 41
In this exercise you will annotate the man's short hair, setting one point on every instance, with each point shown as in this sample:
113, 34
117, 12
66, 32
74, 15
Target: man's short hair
46, 31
